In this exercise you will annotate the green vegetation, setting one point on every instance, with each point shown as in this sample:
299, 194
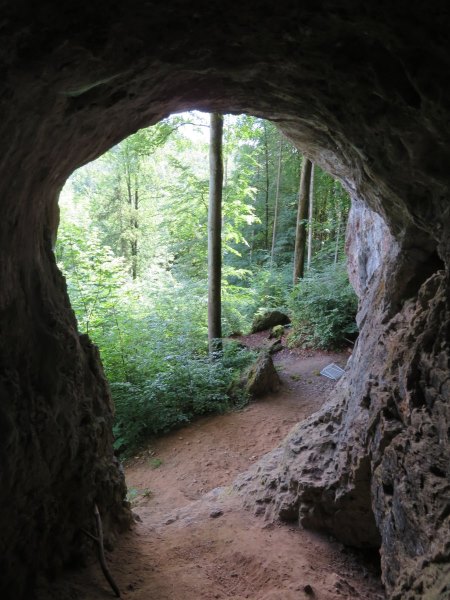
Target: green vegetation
323, 307
188, 385
132, 244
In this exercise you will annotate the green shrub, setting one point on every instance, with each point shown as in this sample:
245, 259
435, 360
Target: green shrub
323, 306
189, 386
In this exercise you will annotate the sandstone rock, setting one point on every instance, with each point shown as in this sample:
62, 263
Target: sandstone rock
269, 319
261, 378
277, 332
367, 245
353, 468
275, 347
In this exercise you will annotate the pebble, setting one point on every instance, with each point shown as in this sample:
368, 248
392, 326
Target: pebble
216, 513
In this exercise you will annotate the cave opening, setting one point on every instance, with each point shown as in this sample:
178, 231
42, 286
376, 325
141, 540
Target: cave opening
142, 484
132, 245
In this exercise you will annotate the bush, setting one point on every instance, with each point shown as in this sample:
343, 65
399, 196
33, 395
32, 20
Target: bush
323, 307
189, 387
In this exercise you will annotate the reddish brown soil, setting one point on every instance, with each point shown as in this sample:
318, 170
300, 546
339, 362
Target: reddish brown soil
180, 551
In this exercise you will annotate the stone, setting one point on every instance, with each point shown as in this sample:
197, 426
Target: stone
261, 378
277, 346
216, 513
277, 332
269, 319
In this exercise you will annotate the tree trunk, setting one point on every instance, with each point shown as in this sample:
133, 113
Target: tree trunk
266, 199
277, 198
310, 220
336, 252
131, 220
214, 232
302, 216
134, 241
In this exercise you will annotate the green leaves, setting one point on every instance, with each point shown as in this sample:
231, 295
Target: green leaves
189, 386
323, 307
133, 247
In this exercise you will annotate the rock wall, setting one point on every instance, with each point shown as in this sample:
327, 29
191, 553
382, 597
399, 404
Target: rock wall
361, 89
371, 466
55, 434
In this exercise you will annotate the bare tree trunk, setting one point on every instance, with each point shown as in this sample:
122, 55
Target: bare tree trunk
134, 241
302, 215
266, 200
277, 198
336, 252
214, 231
132, 223
310, 219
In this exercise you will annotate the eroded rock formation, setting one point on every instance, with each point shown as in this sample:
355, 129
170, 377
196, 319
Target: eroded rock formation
362, 90
372, 466
260, 378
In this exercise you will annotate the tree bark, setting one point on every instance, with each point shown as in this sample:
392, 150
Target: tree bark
310, 218
277, 198
336, 252
302, 216
266, 199
214, 232
134, 241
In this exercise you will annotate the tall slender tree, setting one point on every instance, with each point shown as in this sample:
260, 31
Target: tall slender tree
310, 218
266, 195
215, 231
277, 201
338, 232
302, 216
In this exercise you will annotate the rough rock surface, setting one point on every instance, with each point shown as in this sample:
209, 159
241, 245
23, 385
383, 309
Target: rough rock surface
261, 378
360, 88
277, 332
372, 466
367, 245
269, 319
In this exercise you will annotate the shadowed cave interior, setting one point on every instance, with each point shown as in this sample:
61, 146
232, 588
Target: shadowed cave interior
360, 91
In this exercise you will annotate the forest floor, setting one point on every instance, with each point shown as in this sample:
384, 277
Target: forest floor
193, 539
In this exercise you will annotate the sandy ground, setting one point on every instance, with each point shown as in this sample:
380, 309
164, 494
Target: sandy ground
193, 539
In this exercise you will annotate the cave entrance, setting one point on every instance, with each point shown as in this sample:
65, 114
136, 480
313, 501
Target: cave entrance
143, 299
132, 244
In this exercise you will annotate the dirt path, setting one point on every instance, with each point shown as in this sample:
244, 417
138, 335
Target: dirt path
195, 542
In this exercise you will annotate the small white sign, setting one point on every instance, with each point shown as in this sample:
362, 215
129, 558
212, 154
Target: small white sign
332, 372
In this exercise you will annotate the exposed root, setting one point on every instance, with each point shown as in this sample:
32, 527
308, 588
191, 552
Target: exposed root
101, 550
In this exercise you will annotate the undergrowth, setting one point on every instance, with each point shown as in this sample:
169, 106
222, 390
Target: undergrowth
190, 386
323, 307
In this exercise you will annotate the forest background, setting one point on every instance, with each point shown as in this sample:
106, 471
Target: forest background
132, 244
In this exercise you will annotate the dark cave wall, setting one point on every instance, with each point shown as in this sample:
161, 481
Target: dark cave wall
55, 430
409, 439
361, 91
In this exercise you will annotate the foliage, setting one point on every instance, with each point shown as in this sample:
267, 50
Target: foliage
133, 246
323, 307
190, 386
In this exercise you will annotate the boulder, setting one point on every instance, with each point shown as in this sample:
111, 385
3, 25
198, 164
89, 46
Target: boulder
269, 319
276, 332
261, 378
